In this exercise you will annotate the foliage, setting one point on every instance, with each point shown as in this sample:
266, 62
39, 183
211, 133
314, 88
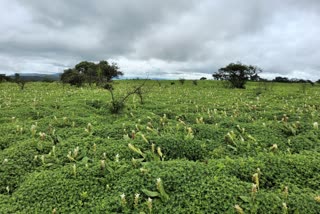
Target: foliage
187, 149
117, 104
4, 78
89, 72
293, 80
72, 77
17, 79
237, 74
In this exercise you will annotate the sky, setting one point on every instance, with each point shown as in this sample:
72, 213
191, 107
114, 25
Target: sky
162, 38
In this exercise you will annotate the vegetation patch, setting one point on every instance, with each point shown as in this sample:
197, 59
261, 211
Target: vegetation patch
185, 147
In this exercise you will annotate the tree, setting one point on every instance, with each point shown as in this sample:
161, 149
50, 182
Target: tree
21, 82
73, 77
89, 72
4, 78
280, 79
217, 76
109, 71
238, 74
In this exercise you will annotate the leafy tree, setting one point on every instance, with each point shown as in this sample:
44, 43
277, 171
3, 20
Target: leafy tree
84, 67
309, 81
4, 78
217, 76
89, 72
109, 71
237, 74
73, 77
281, 79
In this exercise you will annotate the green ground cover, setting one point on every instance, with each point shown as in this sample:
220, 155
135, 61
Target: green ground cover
188, 149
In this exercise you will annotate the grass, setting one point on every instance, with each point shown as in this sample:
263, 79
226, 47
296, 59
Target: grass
188, 149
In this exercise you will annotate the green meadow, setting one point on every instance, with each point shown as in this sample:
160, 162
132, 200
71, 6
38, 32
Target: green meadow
195, 147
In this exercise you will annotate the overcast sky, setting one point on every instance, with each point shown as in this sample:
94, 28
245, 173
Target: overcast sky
162, 38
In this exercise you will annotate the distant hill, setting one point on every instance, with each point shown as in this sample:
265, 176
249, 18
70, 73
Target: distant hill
39, 77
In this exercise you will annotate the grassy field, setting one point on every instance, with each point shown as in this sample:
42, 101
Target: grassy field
188, 149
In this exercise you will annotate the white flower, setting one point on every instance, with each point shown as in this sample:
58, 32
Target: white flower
123, 196
315, 125
42, 135
76, 151
149, 203
284, 206
5, 161
136, 199
102, 164
158, 180
254, 188
137, 195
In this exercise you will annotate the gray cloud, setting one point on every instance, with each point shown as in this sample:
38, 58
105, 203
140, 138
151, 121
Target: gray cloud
162, 38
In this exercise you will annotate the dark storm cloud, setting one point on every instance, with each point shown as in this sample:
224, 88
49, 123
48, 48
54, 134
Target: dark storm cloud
162, 38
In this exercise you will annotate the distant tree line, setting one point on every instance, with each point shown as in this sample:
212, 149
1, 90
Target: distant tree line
292, 80
4, 78
30, 78
89, 72
237, 74
16, 79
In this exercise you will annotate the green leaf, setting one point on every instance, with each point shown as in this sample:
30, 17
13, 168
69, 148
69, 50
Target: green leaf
245, 199
110, 169
85, 160
233, 148
150, 193
136, 150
